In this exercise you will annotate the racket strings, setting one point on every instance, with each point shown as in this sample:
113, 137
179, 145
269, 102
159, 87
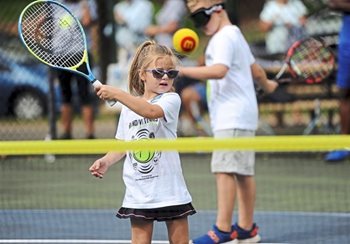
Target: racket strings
312, 61
53, 35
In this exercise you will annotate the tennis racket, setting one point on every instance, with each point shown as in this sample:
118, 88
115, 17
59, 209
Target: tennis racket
308, 60
55, 36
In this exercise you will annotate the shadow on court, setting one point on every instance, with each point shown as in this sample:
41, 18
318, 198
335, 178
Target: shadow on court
87, 226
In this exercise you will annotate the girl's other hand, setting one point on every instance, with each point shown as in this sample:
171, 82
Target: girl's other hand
98, 168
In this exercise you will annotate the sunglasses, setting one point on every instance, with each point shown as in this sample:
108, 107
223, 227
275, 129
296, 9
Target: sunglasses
201, 16
159, 73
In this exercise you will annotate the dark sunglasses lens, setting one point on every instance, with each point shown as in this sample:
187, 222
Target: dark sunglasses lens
172, 74
158, 74
200, 18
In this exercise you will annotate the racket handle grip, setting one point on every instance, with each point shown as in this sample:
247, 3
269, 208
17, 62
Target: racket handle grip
97, 83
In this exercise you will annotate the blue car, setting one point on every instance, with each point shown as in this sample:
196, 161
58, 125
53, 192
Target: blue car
24, 86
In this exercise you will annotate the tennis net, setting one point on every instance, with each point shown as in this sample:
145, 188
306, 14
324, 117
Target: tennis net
46, 198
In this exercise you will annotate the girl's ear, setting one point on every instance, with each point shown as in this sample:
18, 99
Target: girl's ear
142, 75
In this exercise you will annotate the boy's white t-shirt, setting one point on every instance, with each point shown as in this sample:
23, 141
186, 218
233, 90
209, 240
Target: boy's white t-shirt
231, 100
153, 179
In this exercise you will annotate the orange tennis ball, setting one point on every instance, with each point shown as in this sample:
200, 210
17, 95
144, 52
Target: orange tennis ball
185, 41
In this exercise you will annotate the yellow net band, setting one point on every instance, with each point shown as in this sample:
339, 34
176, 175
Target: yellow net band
206, 144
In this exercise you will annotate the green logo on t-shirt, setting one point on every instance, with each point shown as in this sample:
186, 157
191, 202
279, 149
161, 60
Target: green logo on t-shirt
143, 156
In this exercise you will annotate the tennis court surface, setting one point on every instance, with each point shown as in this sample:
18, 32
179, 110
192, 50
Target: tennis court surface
300, 199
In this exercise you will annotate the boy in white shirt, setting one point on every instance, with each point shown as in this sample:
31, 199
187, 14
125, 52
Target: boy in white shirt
230, 69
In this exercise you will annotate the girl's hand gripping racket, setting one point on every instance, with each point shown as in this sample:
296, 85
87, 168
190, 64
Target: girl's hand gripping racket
308, 60
55, 36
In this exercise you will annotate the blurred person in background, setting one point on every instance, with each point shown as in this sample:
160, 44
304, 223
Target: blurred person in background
168, 20
132, 17
343, 75
283, 21
85, 11
194, 108
194, 104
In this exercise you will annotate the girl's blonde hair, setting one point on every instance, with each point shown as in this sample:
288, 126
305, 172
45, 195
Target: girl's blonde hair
192, 3
146, 53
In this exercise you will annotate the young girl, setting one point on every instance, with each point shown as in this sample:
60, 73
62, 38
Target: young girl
155, 186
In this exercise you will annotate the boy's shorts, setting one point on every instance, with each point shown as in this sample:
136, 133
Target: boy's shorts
239, 162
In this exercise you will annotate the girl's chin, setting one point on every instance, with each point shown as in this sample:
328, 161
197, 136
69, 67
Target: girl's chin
161, 91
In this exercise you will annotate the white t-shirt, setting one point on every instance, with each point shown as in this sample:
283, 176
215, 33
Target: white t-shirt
153, 179
231, 100
278, 38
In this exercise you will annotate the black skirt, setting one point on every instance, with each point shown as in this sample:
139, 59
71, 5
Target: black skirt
159, 214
